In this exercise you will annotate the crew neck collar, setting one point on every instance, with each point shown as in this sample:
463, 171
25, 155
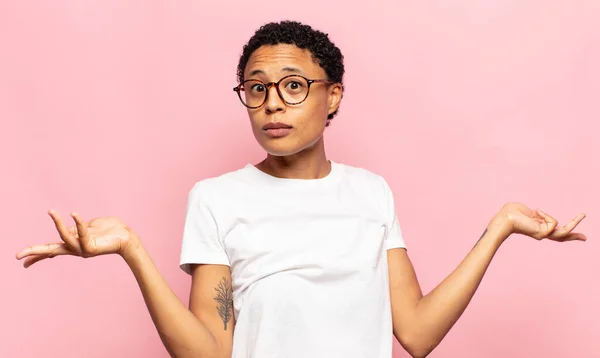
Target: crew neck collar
265, 178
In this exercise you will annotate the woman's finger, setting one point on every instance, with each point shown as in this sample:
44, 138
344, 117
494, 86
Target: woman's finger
80, 225
559, 232
63, 231
33, 259
549, 221
562, 231
54, 249
569, 237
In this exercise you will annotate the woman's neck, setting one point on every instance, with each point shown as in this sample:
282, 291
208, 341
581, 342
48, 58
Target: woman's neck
307, 164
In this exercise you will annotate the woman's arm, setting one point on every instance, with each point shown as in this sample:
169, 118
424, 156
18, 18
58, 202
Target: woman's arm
204, 331
421, 322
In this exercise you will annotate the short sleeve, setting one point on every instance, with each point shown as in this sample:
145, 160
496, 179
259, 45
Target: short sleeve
394, 238
201, 243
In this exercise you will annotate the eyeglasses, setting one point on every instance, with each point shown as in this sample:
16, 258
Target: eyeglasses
292, 89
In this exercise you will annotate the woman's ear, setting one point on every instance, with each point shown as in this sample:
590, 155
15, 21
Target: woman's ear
335, 97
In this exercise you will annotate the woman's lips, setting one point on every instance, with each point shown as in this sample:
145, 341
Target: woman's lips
278, 132
277, 129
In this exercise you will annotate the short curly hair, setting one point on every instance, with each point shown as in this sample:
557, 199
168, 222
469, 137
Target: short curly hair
323, 51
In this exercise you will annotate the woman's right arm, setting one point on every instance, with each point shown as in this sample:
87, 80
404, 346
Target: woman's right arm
203, 331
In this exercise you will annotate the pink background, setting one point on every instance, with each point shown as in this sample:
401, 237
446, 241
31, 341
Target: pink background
118, 107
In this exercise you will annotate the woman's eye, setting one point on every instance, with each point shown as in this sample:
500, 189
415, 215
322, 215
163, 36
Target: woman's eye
258, 88
294, 85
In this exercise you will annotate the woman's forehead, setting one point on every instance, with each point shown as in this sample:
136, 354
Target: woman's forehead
281, 59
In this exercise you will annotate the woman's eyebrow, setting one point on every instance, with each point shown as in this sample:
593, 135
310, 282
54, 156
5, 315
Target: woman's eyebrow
291, 69
285, 69
256, 72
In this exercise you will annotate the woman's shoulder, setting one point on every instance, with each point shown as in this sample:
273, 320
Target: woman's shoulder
225, 182
359, 173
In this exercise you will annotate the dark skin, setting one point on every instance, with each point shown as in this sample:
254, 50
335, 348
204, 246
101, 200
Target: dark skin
302, 153
420, 321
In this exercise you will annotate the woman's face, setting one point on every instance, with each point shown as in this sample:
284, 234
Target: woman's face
307, 120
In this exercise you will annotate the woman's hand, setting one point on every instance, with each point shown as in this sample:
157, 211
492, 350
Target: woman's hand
100, 236
536, 224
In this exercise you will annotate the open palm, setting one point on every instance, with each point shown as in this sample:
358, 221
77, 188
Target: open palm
100, 236
539, 225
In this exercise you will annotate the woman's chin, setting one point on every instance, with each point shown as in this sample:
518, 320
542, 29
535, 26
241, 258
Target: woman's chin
280, 147
286, 146
281, 152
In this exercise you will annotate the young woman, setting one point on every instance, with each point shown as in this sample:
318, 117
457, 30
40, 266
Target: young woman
299, 255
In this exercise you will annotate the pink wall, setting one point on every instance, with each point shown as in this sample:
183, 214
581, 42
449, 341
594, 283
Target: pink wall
116, 107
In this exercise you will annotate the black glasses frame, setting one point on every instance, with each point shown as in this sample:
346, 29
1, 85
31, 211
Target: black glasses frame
239, 88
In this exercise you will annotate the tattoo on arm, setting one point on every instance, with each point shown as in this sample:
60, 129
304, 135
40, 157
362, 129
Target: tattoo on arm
482, 235
224, 300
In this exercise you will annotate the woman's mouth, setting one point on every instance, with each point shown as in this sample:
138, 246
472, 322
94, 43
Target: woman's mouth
277, 129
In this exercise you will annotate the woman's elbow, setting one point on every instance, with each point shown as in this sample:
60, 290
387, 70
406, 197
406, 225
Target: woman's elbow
416, 346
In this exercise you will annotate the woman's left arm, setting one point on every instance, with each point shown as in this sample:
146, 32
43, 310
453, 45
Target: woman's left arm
421, 322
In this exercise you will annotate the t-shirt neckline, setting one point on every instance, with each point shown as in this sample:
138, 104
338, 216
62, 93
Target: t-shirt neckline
265, 178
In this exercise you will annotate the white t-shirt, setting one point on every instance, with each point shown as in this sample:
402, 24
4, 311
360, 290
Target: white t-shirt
307, 257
